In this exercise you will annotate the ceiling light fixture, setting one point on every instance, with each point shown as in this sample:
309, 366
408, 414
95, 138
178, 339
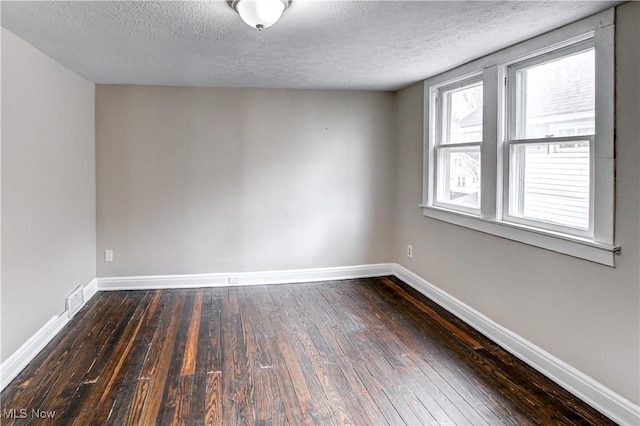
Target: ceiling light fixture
260, 14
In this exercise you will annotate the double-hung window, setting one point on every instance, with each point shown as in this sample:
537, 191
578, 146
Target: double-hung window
550, 132
520, 143
457, 145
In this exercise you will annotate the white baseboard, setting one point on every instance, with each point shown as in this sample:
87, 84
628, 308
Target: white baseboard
593, 393
245, 278
90, 290
18, 360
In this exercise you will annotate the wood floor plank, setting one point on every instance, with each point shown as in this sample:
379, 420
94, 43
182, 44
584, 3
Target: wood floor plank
159, 371
62, 394
215, 344
229, 402
154, 337
312, 408
269, 405
62, 345
378, 395
350, 382
334, 385
213, 409
203, 353
105, 391
182, 414
470, 341
120, 405
30, 391
191, 346
243, 386
366, 352
395, 351
429, 354
293, 408
167, 411
322, 390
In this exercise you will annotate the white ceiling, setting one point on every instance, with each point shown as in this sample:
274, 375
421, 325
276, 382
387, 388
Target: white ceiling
373, 45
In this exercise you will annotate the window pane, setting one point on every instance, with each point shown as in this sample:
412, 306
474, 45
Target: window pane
462, 115
459, 176
557, 98
549, 182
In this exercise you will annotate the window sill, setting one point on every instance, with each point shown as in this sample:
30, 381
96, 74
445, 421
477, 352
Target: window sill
566, 244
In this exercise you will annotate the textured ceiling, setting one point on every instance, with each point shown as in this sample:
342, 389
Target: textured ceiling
374, 45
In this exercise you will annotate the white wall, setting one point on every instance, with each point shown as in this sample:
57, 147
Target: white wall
48, 188
586, 314
196, 180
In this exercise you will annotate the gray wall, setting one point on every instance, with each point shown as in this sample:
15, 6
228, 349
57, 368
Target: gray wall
48, 188
586, 314
224, 180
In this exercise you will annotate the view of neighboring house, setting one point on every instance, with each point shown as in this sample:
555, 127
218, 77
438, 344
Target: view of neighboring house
464, 172
464, 178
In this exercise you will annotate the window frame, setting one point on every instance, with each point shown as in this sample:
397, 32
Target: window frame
597, 246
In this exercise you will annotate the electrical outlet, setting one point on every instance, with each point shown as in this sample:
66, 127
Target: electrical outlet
108, 255
409, 251
234, 280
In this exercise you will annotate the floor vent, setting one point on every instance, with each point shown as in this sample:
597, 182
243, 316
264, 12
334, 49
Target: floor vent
74, 302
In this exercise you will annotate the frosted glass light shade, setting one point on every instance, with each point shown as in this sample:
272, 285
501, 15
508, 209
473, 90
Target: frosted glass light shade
260, 14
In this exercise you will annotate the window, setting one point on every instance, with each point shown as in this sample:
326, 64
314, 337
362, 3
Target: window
548, 154
520, 143
457, 145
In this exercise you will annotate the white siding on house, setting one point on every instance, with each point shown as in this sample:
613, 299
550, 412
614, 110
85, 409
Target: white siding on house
554, 185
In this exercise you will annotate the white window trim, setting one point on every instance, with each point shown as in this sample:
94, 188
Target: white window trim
601, 249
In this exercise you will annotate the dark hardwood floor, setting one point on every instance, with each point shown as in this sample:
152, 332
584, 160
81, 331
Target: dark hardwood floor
363, 352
